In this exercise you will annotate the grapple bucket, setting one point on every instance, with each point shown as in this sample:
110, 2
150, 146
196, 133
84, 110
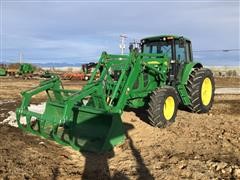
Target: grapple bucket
70, 119
87, 119
88, 129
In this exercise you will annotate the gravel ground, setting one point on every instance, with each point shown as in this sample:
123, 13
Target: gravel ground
196, 146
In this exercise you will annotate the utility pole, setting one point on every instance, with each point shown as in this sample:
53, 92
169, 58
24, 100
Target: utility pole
122, 46
20, 57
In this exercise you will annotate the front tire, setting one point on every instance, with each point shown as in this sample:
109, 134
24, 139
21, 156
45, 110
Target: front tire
201, 87
163, 107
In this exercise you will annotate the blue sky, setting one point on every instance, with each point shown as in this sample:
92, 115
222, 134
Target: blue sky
73, 31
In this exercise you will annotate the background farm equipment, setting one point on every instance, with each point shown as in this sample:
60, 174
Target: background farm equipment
3, 71
88, 69
86, 73
158, 79
73, 76
23, 70
47, 74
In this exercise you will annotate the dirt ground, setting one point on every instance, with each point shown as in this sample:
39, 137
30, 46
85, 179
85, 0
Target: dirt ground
196, 146
233, 82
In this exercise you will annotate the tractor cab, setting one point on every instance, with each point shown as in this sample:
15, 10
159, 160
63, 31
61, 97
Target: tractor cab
177, 48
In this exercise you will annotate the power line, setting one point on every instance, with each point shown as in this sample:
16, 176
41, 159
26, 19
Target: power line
87, 58
61, 58
217, 50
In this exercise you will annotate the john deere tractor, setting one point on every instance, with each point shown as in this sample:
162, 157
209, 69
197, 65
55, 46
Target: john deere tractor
3, 71
158, 77
23, 69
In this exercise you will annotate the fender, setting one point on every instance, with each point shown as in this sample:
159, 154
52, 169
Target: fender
181, 87
187, 71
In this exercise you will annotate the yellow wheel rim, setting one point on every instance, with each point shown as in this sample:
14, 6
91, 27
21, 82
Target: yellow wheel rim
206, 91
168, 108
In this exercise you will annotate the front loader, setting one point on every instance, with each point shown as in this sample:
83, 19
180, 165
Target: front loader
159, 78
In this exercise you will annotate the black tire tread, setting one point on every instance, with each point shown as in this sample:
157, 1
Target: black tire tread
194, 87
155, 106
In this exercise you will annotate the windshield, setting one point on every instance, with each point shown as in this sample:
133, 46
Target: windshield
164, 47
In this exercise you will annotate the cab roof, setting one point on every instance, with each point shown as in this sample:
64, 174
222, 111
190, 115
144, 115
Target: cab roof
153, 38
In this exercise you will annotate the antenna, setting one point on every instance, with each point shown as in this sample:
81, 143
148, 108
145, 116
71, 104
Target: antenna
122, 46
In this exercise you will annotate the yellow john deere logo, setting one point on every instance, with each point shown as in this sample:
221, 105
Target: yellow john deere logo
153, 62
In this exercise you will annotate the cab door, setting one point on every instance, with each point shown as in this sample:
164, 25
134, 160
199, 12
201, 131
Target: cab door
182, 55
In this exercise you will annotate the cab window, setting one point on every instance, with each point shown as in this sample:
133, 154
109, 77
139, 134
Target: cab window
154, 50
180, 51
163, 47
183, 51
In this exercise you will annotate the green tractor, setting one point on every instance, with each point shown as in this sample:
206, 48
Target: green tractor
3, 71
26, 68
23, 69
159, 78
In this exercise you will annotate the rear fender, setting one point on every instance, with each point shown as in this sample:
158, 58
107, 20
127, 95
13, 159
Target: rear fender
183, 81
187, 71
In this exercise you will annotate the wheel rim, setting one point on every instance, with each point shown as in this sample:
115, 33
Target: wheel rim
169, 107
206, 91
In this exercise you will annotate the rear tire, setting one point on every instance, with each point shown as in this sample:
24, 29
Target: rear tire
163, 107
201, 87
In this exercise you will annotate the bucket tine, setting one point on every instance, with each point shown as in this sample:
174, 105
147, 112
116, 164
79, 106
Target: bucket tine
28, 119
18, 120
